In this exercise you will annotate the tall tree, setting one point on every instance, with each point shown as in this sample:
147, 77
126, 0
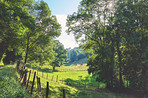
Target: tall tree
12, 27
92, 26
117, 37
60, 54
46, 28
131, 20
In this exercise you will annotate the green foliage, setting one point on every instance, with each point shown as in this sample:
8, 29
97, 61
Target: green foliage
28, 29
117, 37
38, 45
91, 28
76, 54
81, 61
12, 27
135, 41
10, 85
60, 54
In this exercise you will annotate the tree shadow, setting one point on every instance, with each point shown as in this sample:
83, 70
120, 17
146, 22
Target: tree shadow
88, 81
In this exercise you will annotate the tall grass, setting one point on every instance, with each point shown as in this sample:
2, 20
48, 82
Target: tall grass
9, 84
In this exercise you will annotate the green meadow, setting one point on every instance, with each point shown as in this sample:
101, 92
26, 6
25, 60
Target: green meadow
74, 79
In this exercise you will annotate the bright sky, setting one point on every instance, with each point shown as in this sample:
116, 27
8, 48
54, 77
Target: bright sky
62, 8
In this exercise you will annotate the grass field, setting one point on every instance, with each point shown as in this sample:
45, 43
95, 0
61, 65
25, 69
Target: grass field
80, 83
81, 61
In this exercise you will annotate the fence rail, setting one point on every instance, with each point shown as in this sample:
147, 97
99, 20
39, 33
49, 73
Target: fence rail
25, 80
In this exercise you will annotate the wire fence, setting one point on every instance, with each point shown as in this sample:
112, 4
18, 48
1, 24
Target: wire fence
25, 80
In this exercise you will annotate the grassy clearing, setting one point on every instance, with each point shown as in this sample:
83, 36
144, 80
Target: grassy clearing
9, 84
76, 77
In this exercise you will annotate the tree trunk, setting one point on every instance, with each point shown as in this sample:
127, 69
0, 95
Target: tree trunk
3, 48
27, 49
119, 57
120, 67
112, 62
53, 68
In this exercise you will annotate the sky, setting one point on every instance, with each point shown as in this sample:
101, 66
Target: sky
62, 8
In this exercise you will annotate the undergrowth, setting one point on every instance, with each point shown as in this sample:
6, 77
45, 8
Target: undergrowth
9, 84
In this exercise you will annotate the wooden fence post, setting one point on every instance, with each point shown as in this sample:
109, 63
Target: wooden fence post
28, 79
64, 93
47, 90
33, 82
39, 86
21, 74
25, 78
37, 83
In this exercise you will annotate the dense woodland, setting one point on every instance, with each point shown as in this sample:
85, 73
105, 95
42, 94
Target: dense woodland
114, 32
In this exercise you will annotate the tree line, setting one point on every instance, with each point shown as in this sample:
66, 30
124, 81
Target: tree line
116, 33
28, 32
75, 54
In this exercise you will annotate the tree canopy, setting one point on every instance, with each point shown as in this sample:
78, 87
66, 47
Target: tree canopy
28, 30
116, 34
60, 54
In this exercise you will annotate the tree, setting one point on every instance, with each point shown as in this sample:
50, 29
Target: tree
92, 26
130, 21
76, 54
117, 38
46, 28
11, 27
28, 29
60, 54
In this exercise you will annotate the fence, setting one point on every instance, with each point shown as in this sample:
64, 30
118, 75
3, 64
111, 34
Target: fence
56, 79
24, 76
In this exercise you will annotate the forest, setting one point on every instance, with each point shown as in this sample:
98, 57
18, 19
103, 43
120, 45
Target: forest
112, 34
115, 31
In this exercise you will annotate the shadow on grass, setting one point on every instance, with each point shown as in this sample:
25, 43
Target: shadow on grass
88, 81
